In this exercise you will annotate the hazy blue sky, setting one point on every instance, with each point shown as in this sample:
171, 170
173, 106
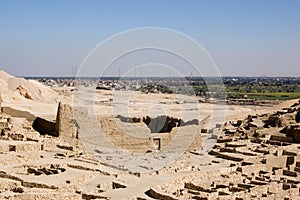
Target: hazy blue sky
244, 37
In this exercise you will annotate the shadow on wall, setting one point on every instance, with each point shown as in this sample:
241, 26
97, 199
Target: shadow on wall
65, 125
44, 127
159, 124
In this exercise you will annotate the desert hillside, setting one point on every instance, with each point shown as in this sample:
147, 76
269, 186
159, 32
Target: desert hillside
20, 89
29, 96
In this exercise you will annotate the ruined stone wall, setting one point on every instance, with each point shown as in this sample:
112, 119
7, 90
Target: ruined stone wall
122, 139
65, 123
18, 113
180, 138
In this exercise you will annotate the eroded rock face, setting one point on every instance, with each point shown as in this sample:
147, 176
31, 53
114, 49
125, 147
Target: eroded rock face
23, 92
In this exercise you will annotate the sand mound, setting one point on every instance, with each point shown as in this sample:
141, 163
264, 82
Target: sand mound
5, 76
12, 88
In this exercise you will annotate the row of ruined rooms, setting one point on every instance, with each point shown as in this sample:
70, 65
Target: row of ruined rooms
66, 126
159, 124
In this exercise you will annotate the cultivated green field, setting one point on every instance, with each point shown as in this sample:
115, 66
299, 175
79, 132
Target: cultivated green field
264, 92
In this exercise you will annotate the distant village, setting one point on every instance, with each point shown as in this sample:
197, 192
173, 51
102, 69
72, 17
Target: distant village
233, 90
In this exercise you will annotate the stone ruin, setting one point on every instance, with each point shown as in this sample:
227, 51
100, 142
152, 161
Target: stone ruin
293, 132
65, 124
262, 160
5, 121
166, 133
163, 126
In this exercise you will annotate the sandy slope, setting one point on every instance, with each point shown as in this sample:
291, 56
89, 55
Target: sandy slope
28, 95
37, 91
